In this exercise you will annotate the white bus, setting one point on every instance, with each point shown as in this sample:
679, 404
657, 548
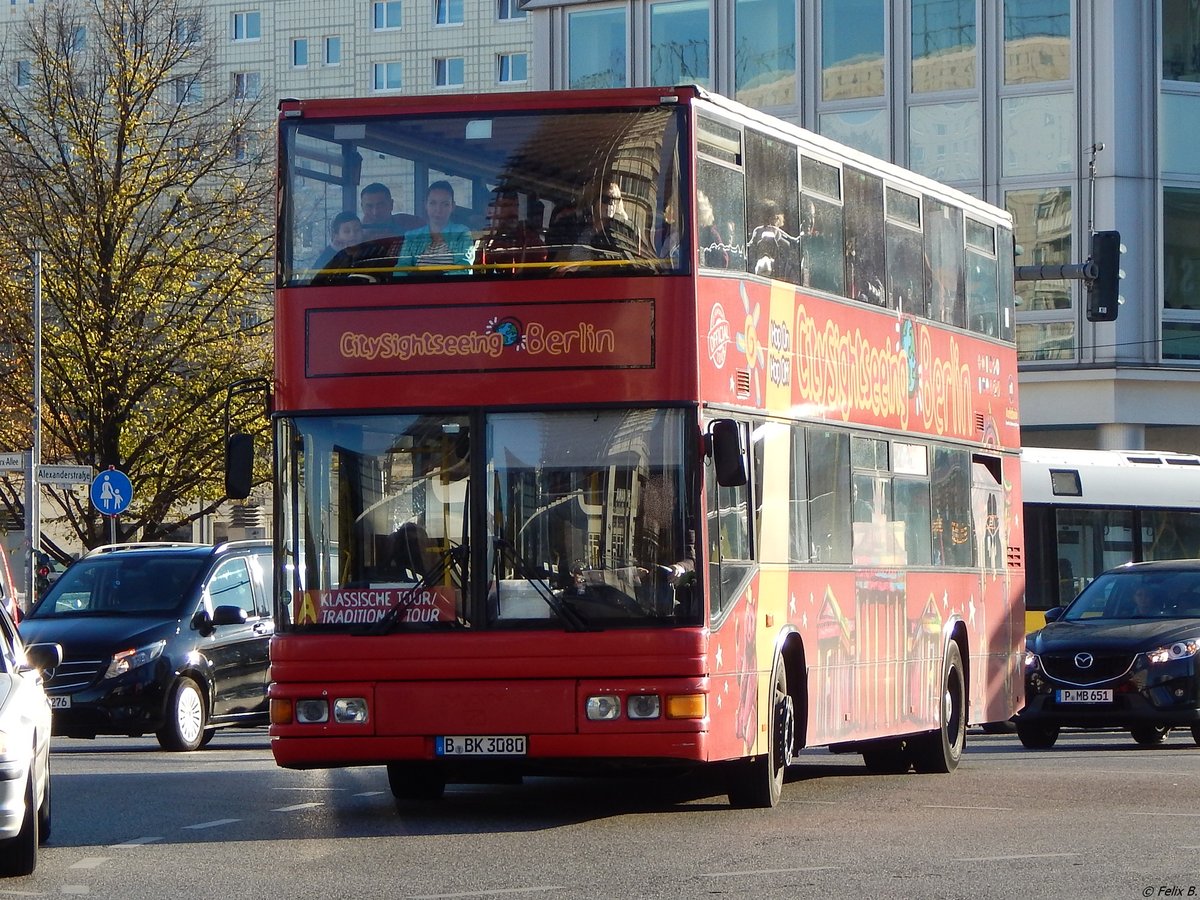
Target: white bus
1090, 510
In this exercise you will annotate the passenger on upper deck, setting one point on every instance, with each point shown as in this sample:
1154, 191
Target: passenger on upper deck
345, 230
510, 240
441, 242
602, 230
378, 220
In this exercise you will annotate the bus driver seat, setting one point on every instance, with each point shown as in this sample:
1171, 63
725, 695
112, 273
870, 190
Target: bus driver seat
410, 551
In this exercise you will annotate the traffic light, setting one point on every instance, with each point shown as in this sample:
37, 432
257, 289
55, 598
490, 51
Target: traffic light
1104, 287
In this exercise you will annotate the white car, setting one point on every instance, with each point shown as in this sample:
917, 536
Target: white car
24, 748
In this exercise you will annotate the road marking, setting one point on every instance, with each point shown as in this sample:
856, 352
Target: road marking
1021, 856
302, 788
21, 894
492, 893
767, 872
974, 808
1176, 815
138, 841
76, 889
369, 793
297, 806
90, 862
213, 824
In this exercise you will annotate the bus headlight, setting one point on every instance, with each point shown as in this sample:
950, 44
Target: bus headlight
603, 707
312, 712
350, 710
644, 706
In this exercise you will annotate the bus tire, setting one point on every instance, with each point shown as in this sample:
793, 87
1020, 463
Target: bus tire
416, 781
757, 783
1196, 733
886, 757
939, 752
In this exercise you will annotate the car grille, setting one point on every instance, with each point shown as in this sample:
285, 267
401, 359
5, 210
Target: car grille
1105, 667
75, 674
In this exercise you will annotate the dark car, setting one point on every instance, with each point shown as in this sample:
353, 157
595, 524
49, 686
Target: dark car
169, 639
1123, 654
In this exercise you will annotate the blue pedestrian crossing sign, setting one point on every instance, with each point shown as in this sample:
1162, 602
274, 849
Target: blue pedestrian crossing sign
111, 492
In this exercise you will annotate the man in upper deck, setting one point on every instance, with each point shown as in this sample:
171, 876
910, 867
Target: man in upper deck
378, 219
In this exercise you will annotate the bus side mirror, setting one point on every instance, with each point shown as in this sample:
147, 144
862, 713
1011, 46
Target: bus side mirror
729, 456
239, 465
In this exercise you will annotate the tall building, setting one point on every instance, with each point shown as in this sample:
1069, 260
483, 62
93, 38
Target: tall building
1008, 100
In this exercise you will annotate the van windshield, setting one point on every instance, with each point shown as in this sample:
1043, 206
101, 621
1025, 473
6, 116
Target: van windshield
121, 585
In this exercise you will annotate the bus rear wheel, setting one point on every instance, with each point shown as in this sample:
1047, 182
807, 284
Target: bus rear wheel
940, 751
757, 783
416, 781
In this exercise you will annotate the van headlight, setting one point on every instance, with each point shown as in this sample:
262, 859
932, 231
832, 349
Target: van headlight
128, 660
1177, 650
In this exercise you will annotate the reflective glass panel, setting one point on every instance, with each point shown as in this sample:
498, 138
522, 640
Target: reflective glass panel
1037, 41
852, 43
764, 53
862, 129
1042, 226
1179, 134
943, 45
1180, 40
944, 141
1045, 341
597, 49
1038, 135
1181, 248
679, 42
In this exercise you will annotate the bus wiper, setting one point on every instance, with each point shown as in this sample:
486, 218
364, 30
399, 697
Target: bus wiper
573, 619
452, 555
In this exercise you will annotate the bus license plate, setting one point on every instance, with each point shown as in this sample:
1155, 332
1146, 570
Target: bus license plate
59, 701
1084, 695
481, 745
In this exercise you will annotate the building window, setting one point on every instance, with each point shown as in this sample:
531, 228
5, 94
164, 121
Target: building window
188, 90
852, 49
448, 72
943, 45
247, 26
764, 52
188, 30
388, 76
24, 73
1044, 121
1037, 41
448, 12
679, 42
513, 67
300, 52
509, 9
333, 50
1046, 322
77, 41
387, 14
247, 85
596, 48
1180, 40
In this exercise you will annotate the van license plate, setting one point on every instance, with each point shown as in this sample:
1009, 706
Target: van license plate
59, 701
1084, 695
481, 745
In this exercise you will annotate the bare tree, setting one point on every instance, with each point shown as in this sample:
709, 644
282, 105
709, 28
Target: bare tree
145, 181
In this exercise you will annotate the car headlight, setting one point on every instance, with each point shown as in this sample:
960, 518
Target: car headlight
1031, 660
1177, 650
128, 660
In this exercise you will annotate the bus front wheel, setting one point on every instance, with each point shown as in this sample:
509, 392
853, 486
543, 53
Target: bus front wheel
416, 781
757, 783
939, 751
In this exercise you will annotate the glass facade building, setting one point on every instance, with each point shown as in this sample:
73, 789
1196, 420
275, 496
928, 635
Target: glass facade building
1075, 115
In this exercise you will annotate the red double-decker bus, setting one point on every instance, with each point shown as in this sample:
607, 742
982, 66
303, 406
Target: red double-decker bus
634, 427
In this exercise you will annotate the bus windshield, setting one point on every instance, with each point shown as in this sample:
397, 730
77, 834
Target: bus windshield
370, 199
585, 525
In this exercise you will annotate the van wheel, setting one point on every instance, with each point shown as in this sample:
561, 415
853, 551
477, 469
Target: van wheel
1036, 737
1149, 735
940, 751
184, 728
18, 855
757, 783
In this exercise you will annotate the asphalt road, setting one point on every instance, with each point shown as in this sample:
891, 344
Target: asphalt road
1095, 817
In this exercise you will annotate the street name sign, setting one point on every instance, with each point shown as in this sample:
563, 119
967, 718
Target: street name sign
64, 474
12, 462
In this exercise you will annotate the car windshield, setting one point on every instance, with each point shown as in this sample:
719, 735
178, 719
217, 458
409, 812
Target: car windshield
1134, 594
121, 584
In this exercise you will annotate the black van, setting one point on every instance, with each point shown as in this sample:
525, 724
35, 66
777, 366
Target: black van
164, 638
